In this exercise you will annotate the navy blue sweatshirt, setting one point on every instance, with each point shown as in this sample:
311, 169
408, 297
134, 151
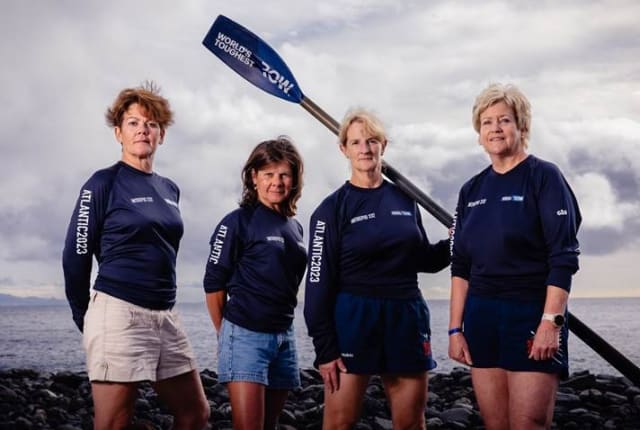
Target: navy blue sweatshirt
368, 242
515, 233
130, 221
258, 257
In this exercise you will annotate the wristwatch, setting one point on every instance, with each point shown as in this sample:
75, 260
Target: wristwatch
556, 319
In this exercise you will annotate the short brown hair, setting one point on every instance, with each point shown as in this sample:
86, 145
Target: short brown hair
513, 97
148, 97
267, 152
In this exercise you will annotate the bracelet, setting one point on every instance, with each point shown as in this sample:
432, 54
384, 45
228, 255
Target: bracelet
455, 330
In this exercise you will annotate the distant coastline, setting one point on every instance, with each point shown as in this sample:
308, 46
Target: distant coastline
10, 300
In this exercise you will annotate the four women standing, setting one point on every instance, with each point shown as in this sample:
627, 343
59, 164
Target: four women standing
514, 250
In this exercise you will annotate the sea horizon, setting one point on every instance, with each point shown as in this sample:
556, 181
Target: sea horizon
43, 337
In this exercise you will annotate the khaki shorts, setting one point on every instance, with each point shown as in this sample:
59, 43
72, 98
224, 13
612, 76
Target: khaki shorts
129, 343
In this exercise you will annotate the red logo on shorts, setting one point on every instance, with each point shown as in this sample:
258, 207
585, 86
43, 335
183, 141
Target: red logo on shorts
426, 348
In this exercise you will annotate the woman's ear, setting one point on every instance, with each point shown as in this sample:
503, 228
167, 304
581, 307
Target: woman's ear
343, 149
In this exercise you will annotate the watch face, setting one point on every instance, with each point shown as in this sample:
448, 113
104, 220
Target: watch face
558, 320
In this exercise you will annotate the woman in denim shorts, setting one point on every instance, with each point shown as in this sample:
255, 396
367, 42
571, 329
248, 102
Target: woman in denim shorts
255, 266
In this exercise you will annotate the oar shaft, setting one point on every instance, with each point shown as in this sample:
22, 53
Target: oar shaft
588, 336
417, 194
319, 114
389, 171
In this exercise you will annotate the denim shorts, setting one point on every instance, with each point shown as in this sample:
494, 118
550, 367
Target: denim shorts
265, 358
378, 335
499, 331
129, 343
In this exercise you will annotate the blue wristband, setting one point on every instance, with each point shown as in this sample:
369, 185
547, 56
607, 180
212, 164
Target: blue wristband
455, 330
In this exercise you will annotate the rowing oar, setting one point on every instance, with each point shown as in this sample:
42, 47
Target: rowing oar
257, 62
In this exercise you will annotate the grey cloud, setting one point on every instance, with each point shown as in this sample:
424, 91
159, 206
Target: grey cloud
608, 240
622, 175
419, 65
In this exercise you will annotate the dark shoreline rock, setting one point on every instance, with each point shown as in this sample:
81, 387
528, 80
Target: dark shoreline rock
62, 401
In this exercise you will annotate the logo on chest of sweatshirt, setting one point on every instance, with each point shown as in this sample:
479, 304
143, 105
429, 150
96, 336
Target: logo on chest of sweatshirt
365, 217
476, 203
278, 239
512, 198
401, 213
137, 200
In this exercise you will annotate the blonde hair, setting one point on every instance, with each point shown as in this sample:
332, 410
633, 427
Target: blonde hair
372, 125
514, 98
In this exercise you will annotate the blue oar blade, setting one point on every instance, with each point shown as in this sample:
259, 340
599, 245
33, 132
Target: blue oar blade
252, 58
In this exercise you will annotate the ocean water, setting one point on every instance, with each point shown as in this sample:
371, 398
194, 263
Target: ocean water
44, 338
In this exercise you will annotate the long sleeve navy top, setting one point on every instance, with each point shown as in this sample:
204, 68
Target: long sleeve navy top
368, 242
130, 221
258, 257
515, 233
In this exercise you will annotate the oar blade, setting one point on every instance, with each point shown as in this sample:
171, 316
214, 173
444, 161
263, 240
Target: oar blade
252, 58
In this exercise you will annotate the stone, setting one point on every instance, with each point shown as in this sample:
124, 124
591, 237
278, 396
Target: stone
434, 423
567, 399
208, 380
7, 394
32, 400
616, 399
382, 424
456, 415
579, 381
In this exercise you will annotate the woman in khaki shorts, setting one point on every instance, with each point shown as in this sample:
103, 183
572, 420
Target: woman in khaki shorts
128, 217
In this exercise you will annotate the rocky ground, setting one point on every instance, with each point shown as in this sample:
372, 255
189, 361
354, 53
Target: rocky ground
62, 401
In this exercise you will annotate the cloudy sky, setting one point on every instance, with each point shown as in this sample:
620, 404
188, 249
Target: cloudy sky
418, 64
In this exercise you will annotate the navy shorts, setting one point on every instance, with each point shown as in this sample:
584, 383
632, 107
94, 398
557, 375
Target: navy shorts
378, 336
499, 331
264, 358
